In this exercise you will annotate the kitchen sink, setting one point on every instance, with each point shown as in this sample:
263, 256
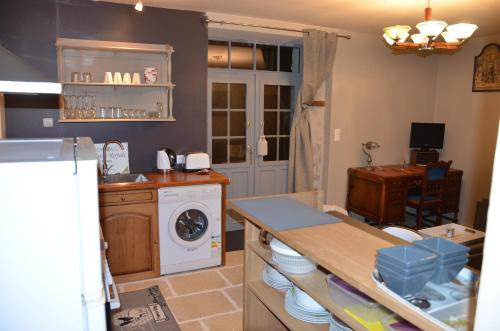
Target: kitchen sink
123, 178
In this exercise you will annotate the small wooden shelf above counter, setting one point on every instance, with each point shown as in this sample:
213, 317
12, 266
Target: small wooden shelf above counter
93, 69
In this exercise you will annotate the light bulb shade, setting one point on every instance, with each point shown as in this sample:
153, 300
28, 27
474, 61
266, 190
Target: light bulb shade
449, 37
388, 40
419, 38
403, 38
462, 30
396, 32
138, 6
431, 28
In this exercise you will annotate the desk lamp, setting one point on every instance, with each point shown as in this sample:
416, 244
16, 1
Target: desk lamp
369, 145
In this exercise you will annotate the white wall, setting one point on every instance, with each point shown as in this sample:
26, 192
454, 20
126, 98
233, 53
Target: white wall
375, 96
471, 123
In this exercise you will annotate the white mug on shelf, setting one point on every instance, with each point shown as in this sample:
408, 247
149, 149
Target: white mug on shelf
126, 78
136, 78
108, 77
117, 78
150, 75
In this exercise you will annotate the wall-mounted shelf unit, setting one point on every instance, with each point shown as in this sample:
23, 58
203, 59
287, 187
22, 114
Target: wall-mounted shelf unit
98, 57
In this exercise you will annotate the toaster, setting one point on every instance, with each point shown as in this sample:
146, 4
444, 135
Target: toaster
196, 161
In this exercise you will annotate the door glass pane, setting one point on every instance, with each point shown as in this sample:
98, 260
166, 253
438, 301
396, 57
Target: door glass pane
270, 96
191, 225
270, 123
237, 150
284, 147
219, 151
219, 123
219, 96
237, 123
218, 54
289, 59
271, 149
241, 55
285, 122
286, 97
238, 96
266, 57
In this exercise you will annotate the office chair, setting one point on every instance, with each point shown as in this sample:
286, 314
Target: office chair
430, 196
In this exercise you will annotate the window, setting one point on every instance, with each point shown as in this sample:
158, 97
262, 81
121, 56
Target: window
252, 56
229, 123
278, 101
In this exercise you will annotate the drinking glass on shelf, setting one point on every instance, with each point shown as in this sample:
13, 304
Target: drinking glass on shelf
118, 113
109, 112
102, 112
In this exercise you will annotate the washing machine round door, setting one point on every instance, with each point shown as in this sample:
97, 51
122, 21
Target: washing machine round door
191, 225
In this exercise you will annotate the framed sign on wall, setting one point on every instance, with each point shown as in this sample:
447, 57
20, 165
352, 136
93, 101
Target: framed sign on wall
487, 69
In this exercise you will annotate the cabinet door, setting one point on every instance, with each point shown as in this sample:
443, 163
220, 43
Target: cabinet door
131, 232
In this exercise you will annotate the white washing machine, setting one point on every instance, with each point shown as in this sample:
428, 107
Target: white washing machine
190, 227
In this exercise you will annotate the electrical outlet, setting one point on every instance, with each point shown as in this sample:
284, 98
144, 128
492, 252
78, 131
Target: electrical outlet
48, 122
336, 134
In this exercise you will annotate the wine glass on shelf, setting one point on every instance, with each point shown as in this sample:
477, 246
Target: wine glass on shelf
93, 108
66, 113
78, 110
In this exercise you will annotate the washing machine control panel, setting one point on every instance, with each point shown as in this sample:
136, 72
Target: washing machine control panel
183, 193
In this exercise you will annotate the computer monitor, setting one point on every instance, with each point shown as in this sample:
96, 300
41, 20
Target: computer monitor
427, 135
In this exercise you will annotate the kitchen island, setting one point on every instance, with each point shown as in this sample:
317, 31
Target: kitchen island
347, 249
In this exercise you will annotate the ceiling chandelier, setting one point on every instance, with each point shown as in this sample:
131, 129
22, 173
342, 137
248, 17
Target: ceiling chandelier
431, 34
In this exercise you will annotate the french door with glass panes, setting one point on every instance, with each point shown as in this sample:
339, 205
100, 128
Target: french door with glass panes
243, 106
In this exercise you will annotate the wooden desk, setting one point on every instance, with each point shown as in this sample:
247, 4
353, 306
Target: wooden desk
380, 194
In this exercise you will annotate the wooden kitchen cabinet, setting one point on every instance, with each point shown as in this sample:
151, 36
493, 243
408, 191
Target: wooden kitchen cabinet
129, 221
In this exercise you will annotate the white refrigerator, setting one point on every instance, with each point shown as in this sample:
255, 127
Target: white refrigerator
50, 254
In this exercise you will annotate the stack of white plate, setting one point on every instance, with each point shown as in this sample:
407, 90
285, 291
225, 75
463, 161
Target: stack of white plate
289, 260
301, 306
337, 325
273, 278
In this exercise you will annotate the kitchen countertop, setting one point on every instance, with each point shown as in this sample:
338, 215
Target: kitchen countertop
175, 178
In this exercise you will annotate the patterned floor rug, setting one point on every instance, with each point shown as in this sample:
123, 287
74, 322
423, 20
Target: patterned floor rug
144, 310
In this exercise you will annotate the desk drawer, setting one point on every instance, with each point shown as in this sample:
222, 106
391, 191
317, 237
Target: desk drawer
127, 197
396, 195
397, 184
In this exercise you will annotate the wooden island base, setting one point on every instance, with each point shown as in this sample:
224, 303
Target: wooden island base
347, 249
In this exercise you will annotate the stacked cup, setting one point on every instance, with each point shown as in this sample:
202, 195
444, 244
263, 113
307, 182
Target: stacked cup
405, 269
451, 259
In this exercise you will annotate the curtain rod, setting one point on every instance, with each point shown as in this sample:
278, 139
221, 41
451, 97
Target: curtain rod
207, 20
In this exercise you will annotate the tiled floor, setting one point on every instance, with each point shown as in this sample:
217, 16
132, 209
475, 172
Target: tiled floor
210, 299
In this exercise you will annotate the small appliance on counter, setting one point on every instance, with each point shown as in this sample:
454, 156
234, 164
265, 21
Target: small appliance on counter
165, 160
196, 161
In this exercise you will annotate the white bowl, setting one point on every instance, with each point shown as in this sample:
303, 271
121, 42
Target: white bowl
281, 248
303, 299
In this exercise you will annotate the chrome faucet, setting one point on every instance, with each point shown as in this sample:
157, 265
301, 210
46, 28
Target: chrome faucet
105, 168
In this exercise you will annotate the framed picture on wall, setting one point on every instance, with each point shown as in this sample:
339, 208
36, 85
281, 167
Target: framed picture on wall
487, 69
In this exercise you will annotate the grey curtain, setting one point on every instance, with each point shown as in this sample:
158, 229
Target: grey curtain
319, 54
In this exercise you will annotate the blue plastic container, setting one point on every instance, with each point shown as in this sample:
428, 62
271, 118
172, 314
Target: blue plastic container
447, 272
406, 271
407, 257
445, 249
404, 285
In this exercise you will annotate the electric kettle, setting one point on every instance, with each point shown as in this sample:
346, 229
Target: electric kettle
165, 160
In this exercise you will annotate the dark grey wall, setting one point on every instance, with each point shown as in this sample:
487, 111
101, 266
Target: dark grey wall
29, 28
